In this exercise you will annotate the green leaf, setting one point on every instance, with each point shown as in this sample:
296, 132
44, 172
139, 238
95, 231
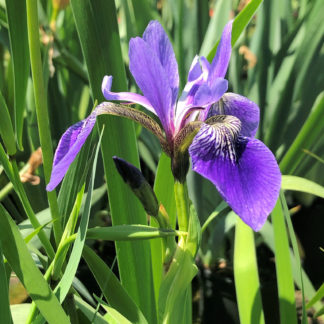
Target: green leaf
247, 284
20, 313
128, 233
175, 286
310, 131
112, 289
144, 12
6, 129
219, 19
4, 292
17, 24
21, 262
317, 297
114, 317
65, 283
285, 281
268, 237
240, 22
301, 184
213, 215
97, 28
296, 252
89, 312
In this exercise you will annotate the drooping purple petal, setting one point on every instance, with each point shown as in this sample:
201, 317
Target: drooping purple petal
124, 96
245, 172
207, 95
150, 76
241, 107
155, 36
68, 147
221, 60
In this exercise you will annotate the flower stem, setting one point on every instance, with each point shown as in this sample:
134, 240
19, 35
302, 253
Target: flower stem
182, 205
41, 108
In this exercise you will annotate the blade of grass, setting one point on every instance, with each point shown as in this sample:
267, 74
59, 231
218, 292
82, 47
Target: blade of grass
17, 25
310, 131
285, 281
221, 12
268, 237
89, 312
113, 291
41, 108
4, 292
65, 283
239, 24
296, 253
20, 260
317, 297
144, 12
114, 317
302, 184
97, 28
12, 173
246, 276
6, 129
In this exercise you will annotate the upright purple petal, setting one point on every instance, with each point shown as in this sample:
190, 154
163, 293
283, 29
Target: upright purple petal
68, 147
153, 81
207, 95
241, 107
197, 76
124, 96
244, 171
221, 60
195, 70
155, 36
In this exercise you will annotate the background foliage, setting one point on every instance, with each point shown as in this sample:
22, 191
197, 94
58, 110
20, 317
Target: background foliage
277, 61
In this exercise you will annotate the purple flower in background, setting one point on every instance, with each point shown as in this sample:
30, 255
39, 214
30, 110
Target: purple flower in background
215, 127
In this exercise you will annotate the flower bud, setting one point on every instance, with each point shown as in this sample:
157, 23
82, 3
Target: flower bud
141, 188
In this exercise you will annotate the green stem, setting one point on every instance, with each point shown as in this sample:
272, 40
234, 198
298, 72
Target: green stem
182, 206
41, 108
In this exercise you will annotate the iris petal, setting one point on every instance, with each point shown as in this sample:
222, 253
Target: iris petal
124, 96
244, 171
207, 95
195, 70
151, 78
155, 36
221, 60
241, 107
68, 147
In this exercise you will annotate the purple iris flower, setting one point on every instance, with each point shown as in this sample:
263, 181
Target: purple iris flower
215, 127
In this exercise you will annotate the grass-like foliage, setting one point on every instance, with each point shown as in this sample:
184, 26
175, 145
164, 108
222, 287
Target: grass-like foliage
161, 161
